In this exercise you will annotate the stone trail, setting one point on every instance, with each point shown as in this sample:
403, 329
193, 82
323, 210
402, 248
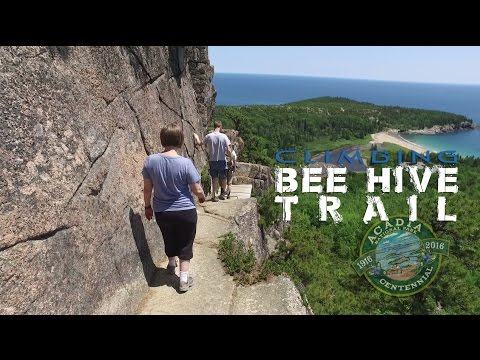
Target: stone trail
214, 291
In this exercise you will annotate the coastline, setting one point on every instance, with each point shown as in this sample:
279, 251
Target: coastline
443, 129
394, 137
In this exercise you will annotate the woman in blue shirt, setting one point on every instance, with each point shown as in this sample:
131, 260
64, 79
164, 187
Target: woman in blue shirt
172, 178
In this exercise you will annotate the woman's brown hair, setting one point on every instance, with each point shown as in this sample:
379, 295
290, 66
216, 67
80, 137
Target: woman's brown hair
171, 135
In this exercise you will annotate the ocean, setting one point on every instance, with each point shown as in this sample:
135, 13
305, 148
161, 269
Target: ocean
250, 89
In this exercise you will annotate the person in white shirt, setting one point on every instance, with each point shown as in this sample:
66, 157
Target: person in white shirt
217, 144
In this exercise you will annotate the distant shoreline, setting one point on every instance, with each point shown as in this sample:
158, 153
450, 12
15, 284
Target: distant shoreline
393, 137
442, 129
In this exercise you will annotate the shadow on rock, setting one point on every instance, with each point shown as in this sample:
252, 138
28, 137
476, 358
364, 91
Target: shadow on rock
154, 275
161, 278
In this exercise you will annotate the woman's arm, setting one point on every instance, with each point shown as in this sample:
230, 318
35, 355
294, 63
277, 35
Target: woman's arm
147, 197
197, 190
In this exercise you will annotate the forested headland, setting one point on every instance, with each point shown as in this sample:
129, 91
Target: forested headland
319, 255
320, 124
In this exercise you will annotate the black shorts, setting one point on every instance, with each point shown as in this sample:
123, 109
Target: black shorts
229, 176
218, 169
230, 170
178, 230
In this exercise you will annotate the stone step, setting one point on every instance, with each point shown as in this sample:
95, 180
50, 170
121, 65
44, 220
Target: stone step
240, 191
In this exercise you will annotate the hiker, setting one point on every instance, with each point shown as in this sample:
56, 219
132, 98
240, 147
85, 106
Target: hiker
231, 168
169, 175
217, 143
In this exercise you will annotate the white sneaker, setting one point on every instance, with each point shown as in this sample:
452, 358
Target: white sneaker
186, 285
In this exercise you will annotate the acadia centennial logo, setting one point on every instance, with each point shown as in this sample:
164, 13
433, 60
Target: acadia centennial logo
400, 257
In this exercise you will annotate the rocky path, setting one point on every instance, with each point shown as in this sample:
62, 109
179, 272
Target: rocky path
215, 292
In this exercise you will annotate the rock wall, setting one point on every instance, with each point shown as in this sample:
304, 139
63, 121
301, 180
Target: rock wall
243, 217
259, 176
235, 139
76, 126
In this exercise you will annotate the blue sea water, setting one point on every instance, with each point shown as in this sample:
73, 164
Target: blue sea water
250, 89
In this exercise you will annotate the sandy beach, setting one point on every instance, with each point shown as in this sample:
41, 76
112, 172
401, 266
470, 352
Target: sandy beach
394, 138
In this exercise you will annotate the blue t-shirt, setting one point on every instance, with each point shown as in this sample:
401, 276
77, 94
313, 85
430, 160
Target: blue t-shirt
170, 176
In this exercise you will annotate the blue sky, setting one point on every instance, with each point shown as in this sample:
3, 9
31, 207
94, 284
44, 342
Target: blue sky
432, 64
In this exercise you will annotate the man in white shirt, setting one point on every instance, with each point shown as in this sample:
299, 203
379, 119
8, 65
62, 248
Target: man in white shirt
217, 144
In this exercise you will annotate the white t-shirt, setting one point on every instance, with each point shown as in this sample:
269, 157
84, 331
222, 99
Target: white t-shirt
217, 146
233, 157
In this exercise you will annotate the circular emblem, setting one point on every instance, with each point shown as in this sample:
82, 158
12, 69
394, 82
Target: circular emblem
400, 257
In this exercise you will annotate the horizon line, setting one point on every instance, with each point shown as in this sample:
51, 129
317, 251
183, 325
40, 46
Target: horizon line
346, 78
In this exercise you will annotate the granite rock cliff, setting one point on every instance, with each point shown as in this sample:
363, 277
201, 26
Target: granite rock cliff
76, 126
